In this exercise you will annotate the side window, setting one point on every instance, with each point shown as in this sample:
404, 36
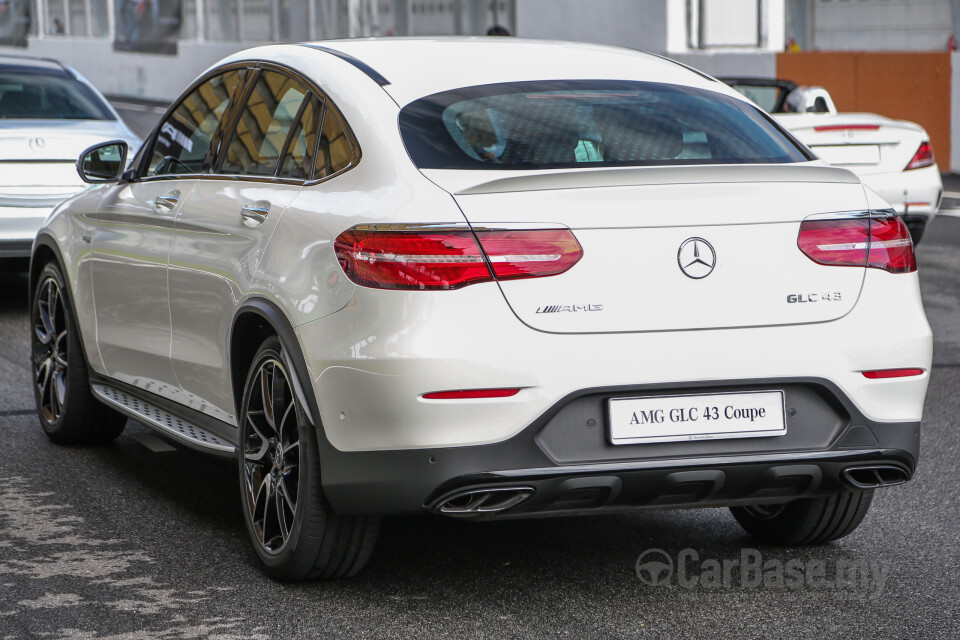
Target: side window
263, 126
185, 136
336, 150
298, 161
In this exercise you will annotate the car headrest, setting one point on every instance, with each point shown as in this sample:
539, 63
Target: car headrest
629, 135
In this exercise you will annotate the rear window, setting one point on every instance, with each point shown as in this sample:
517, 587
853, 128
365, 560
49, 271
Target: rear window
48, 97
576, 123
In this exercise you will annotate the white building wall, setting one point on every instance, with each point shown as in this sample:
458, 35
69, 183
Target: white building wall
881, 25
720, 63
640, 24
141, 75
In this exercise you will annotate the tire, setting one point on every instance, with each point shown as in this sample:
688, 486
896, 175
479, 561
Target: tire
806, 521
916, 232
68, 412
288, 518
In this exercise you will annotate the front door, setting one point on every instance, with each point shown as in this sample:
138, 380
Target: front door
132, 235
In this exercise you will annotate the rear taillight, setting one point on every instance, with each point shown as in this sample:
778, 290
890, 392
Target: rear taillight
922, 158
880, 240
389, 257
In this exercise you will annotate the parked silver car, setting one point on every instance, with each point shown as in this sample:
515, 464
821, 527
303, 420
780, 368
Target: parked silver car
49, 113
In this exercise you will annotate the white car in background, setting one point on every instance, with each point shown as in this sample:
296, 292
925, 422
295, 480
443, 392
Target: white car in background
484, 278
892, 157
49, 113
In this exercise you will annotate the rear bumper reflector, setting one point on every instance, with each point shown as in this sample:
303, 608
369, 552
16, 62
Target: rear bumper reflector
891, 373
470, 394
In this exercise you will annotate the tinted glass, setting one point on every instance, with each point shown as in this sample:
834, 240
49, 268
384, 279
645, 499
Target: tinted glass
265, 122
336, 150
48, 97
184, 138
298, 162
556, 124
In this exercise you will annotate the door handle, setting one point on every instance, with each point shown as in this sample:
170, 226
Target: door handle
255, 213
167, 201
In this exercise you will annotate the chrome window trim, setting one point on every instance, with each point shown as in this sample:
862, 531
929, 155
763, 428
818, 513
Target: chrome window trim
225, 177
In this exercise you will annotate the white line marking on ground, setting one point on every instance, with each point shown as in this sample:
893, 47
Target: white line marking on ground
132, 106
953, 213
154, 443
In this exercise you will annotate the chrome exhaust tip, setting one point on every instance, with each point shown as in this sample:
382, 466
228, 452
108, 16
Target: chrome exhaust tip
874, 476
478, 501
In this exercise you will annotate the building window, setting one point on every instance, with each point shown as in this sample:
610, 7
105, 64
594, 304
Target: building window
725, 24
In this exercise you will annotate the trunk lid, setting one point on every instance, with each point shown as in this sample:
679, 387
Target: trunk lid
640, 228
58, 140
863, 142
39, 158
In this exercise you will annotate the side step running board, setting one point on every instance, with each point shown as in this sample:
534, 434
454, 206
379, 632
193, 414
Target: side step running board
167, 423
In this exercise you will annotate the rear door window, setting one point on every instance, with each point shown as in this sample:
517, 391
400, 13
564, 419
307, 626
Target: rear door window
337, 150
298, 161
265, 123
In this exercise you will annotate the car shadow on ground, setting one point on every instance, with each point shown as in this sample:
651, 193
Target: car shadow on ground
426, 556
14, 285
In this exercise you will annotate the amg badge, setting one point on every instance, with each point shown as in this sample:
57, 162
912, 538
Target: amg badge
571, 308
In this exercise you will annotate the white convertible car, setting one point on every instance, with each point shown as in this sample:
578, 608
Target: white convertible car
892, 157
484, 278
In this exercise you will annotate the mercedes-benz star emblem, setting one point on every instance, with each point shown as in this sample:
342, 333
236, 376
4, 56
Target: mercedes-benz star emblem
37, 143
696, 258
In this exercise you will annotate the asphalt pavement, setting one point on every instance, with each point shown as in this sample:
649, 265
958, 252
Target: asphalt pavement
141, 539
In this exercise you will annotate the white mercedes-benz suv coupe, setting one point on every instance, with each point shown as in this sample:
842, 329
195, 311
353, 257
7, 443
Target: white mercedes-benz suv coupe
484, 278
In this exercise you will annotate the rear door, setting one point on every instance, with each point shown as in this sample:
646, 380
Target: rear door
224, 227
864, 143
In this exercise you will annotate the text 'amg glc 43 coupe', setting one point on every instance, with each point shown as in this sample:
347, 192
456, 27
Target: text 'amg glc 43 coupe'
484, 278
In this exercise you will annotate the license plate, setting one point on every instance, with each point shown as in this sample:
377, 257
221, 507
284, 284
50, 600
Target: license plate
696, 417
849, 154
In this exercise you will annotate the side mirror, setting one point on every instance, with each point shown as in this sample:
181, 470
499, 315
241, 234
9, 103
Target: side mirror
103, 163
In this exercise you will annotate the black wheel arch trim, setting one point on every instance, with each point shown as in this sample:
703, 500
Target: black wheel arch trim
278, 321
332, 460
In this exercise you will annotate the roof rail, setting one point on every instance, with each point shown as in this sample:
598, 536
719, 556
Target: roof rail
346, 57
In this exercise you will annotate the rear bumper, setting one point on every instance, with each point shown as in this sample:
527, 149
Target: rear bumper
915, 193
564, 463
